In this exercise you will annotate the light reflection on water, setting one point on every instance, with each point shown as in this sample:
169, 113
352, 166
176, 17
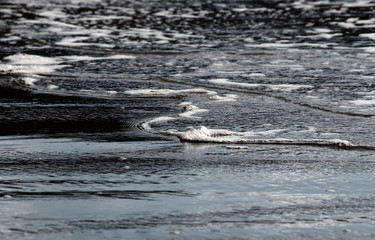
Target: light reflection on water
206, 190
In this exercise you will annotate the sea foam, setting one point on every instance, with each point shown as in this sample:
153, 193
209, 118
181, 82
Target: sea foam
168, 92
203, 134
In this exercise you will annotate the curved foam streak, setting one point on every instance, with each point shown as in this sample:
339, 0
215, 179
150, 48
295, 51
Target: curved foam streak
146, 125
206, 135
163, 92
275, 87
190, 110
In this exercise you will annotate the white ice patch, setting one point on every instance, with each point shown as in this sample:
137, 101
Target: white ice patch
275, 87
168, 92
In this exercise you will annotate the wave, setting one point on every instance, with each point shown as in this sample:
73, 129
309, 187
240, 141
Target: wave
206, 135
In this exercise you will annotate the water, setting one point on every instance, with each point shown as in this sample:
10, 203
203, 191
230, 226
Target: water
187, 120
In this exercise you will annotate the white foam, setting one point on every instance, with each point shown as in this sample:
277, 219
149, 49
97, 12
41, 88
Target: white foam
223, 81
364, 102
287, 87
358, 3
29, 80
185, 103
322, 30
275, 87
190, 110
88, 58
27, 59
346, 24
77, 42
225, 98
204, 134
218, 135
145, 33
289, 45
32, 64
53, 14
169, 14
368, 35
111, 92
243, 9
368, 49
10, 39
147, 125
55, 23
168, 92
256, 75
236, 147
52, 87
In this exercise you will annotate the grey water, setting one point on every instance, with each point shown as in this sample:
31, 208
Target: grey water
187, 120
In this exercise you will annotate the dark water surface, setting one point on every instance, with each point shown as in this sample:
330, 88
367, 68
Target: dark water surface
187, 119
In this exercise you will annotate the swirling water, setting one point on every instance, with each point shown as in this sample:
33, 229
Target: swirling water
187, 120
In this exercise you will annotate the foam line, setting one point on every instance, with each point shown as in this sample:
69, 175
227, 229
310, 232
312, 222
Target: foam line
270, 95
205, 135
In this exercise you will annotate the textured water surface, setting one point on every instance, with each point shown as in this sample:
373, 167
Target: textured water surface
187, 120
